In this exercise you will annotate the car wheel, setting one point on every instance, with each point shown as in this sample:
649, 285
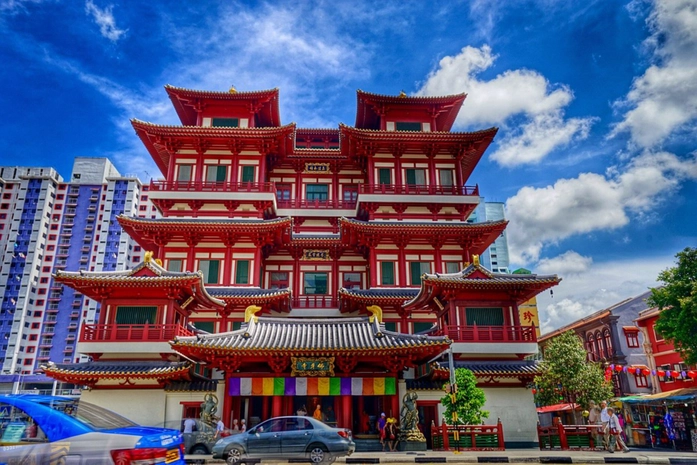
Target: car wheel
199, 450
234, 456
318, 454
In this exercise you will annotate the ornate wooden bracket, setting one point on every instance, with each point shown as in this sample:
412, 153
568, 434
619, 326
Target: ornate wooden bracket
346, 363
278, 363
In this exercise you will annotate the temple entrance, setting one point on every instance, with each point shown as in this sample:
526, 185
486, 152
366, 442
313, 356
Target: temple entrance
428, 415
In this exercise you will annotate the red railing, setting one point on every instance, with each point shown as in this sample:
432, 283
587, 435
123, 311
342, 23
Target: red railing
411, 189
211, 186
321, 204
134, 333
476, 333
315, 301
467, 437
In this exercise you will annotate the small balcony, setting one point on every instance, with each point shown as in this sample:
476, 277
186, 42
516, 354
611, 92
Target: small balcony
505, 339
417, 189
315, 301
132, 333
210, 186
328, 204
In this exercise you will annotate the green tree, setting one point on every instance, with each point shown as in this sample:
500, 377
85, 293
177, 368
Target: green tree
469, 400
677, 302
567, 376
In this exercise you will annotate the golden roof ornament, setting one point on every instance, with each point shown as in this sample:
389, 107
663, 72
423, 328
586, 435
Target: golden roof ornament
250, 312
475, 260
147, 258
232, 90
402, 94
376, 313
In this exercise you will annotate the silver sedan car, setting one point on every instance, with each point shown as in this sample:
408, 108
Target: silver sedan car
291, 437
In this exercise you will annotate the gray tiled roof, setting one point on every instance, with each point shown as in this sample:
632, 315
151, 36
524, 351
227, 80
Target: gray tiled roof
510, 367
232, 291
322, 335
385, 293
126, 368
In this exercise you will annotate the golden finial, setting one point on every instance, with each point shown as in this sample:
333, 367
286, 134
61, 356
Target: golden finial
159, 262
402, 94
232, 90
147, 258
376, 312
475, 260
250, 311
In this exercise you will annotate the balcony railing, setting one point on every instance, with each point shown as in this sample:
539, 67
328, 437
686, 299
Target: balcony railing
493, 334
211, 186
133, 333
329, 204
411, 189
315, 301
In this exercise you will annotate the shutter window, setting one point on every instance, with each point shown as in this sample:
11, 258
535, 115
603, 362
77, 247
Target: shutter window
484, 316
387, 273
247, 174
135, 315
242, 272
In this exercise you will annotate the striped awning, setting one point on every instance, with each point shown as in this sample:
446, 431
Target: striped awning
311, 386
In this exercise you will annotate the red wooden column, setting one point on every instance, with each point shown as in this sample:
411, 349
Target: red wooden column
361, 409
345, 420
265, 410
277, 408
227, 411
373, 267
394, 406
402, 280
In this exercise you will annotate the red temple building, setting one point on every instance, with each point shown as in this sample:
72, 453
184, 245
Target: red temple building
299, 267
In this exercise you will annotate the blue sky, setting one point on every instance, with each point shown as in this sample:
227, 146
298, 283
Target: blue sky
596, 102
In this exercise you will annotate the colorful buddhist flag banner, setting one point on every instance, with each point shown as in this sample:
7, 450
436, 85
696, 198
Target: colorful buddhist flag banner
312, 386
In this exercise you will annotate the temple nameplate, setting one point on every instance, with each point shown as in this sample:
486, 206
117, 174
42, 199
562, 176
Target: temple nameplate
312, 366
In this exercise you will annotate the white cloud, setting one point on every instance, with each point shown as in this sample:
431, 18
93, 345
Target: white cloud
566, 264
591, 202
105, 20
603, 284
521, 92
664, 98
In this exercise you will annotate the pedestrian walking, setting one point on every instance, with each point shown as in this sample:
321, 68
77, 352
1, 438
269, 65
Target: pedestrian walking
382, 423
604, 420
391, 434
615, 430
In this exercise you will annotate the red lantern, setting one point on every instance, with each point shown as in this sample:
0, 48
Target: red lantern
674, 374
646, 371
618, 368
534, 391
661, 373
692, 374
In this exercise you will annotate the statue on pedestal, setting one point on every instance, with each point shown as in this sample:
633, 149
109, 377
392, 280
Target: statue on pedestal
409, 419
209, 407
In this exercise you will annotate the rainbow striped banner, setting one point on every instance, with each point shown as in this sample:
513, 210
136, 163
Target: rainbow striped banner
312, 386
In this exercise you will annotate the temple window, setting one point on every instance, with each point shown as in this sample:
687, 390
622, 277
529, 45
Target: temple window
242, 272
175, 265
315, 283
417, 269
391, 326
247, 174
207, 326
484, 316
216, 173
352, 281
416, 177
387, 273
278, 280
317, 192
225, 122
210, 270
184, 173
350, 193
452, 267
283, 191
446, 177
421, 326
407, 126
384, 176
136, 315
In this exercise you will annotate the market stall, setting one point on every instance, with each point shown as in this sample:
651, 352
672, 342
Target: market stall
664, 420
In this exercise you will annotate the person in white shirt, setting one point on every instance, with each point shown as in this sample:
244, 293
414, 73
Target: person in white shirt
219, 428
243, 426
604, 419
189, 425
594, 420
615, 430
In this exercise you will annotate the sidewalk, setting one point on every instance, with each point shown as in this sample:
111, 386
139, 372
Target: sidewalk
641, 456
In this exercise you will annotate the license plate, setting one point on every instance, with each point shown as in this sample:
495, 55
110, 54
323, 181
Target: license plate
172, 456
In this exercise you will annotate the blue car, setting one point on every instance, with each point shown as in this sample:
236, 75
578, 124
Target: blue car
48, 429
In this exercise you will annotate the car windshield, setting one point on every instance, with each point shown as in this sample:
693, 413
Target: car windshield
97, 417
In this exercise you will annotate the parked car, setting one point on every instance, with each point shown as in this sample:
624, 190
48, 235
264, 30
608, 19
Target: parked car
293, 437
47, 429
201, 440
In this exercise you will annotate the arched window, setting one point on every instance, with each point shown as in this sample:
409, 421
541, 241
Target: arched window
599, 345
590, 348
608, 343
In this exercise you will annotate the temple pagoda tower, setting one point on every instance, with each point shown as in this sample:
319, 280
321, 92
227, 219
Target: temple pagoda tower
312, 266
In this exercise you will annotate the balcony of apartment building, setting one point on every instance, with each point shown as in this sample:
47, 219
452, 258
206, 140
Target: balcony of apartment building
128, 338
